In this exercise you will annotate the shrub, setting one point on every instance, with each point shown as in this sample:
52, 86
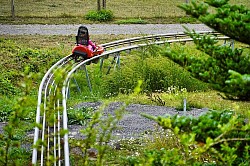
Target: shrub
102, 15
79, 116
6, 87
6, 109
223, 135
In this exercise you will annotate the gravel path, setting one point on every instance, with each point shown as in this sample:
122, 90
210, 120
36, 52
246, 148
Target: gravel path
115, 29
132, 124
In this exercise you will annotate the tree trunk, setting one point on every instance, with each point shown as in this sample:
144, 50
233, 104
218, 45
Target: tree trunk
98, 5
12, 9
104, 4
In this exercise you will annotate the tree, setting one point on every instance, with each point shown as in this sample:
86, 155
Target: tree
104, 4
226, 69
12, 9
101, 5
231, 20
98, 5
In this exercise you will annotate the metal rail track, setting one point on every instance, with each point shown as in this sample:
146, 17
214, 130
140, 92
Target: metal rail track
47, 138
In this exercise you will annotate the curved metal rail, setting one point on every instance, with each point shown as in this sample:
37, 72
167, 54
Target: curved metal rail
49, 134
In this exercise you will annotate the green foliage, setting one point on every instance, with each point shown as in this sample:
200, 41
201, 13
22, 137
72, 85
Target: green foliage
223, 61
6, 109
79, 116
240, 83
222, 135
187, 19
231, 20
204, 126
98, 132
156, 99
37, 60
169, 158
195, 9
217, 3
6, 87
7, 49
15, 59
11, 152
102, 15
156, 72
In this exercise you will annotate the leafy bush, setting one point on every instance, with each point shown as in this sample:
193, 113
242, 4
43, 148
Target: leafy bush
6, 108
79, 116
205, 126
102, 15
223, 135
6, 87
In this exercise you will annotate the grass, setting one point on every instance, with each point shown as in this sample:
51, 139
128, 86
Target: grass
121, 9
70, 12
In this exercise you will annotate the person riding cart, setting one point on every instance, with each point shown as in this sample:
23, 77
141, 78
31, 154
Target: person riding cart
85, 48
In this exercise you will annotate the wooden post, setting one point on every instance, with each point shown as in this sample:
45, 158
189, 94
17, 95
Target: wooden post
12, 9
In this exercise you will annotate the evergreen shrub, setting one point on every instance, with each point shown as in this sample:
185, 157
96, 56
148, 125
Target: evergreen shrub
102, 15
